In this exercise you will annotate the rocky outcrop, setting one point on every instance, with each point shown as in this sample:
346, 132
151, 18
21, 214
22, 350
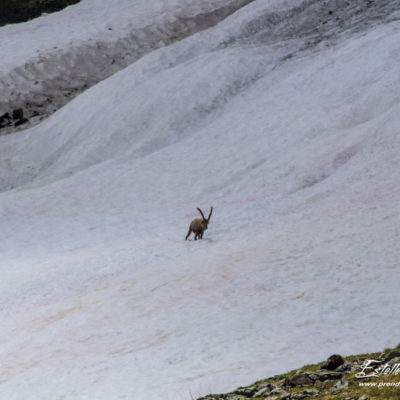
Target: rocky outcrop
15, 119
334, 377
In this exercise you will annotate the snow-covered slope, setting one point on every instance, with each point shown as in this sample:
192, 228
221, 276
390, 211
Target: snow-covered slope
285, 118
52, 59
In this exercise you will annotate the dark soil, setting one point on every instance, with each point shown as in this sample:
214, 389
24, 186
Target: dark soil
14, 11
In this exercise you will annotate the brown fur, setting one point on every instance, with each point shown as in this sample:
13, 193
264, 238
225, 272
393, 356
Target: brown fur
333, 362
199, 225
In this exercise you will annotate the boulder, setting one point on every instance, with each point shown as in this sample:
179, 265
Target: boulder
20, 122
391, 355
18, 113
245, 391
394, 361
346, 367
304, 394
5, 120
324, 375
263, 390
300, 379
339, 386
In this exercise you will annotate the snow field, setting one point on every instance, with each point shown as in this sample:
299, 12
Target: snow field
101, 296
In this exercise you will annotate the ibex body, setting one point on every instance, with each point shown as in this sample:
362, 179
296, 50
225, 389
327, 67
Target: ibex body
199, 225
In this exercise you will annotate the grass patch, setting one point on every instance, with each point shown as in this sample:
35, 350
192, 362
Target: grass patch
384, 387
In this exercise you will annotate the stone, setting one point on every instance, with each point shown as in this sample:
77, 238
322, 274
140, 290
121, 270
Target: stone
325, 385
277, 390
307, 393
5, 117
5, 120
245, 391
324, 375
391, 355
334, 361
236, 397
344, 367
298, 396
20, 122
339, 386
310, 392
18, 113
394, 361
300, 379
266, 385
262, 392
371, 363
281, 382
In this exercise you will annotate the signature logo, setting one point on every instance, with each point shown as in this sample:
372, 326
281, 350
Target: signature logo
375, 368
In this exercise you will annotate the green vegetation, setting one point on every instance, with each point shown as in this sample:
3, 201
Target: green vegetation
12, 11
310, 382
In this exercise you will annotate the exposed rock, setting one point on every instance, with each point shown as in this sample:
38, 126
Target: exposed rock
246, 391
339, 386
393, 361
304, 394
372, 363
324, 375
391, 355
5, 120
300, 379
344, 367
325, 385
281, 382
236, 397
310, 392
387, 356
277, 390
20, 122
18, 113
5, 116
15, 119
263, 390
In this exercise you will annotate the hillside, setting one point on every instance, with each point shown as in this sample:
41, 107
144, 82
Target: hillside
372, 376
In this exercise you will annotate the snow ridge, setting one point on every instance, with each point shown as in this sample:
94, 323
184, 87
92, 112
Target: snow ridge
55, 75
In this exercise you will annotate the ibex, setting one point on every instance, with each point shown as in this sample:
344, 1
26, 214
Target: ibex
199, 225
